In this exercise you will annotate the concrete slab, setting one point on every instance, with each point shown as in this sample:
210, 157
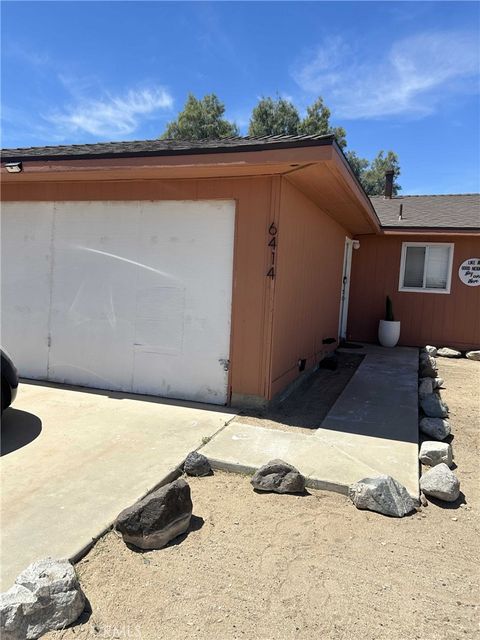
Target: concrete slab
72, 459
381, 399
330, 460
372, 429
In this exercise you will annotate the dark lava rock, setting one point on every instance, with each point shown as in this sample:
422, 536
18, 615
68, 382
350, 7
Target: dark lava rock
161, 516
197, 464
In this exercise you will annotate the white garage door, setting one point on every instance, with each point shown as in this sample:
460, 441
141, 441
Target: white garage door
129, 296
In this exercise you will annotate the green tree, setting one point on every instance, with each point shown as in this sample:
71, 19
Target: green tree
201, 120
359, 165
373, 177
273, 118
372, 174
317, 122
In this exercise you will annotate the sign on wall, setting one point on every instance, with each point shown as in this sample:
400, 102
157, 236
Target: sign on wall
469, 272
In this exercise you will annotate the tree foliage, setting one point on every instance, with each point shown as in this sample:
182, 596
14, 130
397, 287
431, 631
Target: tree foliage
204, 120
273, 118
317, 122
372, 174
359, 165
201, 120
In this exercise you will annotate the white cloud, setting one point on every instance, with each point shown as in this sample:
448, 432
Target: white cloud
411, 78
22, 51
111, 116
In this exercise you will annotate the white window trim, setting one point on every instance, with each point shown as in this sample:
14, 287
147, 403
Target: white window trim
451, 246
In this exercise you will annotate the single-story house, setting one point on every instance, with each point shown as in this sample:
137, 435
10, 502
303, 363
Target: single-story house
427, 259
218, 271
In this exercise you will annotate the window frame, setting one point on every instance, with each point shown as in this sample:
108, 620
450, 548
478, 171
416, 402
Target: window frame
424, 289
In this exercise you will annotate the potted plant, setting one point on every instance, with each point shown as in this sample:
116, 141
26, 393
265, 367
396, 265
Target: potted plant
388, 329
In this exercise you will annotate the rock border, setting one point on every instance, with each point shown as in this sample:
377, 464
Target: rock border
438, 481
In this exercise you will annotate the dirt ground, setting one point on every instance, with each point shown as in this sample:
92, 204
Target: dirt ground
305, 408
272, 567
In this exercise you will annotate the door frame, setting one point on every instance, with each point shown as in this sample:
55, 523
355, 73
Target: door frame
345, 289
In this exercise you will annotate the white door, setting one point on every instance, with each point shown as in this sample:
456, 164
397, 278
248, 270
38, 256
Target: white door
345, 290
130, 296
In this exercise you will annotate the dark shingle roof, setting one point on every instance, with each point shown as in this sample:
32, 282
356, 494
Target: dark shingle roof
162, 147
437, 212
456, 211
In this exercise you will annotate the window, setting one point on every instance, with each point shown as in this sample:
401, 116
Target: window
426, 267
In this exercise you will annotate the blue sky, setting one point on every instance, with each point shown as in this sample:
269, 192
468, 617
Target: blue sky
396, 75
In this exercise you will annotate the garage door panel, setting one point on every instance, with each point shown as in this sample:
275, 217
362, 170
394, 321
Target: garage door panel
160, 319
136, 296
93, 301
26, 231
191, 245
156, 374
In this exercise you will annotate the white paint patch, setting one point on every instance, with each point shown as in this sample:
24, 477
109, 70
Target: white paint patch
129, 296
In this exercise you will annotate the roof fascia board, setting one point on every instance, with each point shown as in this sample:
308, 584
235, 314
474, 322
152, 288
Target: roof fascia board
291, 158
418, 231
228, 149
350, 179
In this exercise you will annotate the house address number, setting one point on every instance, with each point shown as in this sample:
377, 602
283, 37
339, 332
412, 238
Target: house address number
469, 272
272, 243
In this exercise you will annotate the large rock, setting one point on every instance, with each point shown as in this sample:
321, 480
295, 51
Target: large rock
433, 453
473, 355
382, 494
425, 387
437, 383
45, 596
432, 351
446, 352
440, 482
437, 428
278, 476
197, 464
433, 407
427, 366
163, 515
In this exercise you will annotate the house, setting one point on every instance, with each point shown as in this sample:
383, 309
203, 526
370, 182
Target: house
212, 271
427, 259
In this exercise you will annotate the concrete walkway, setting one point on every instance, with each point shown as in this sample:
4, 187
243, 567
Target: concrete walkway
73, 459
372, 429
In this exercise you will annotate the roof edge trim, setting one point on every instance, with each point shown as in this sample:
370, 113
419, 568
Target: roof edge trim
192, 151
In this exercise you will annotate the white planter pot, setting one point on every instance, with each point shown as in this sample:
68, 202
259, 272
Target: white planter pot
388, 332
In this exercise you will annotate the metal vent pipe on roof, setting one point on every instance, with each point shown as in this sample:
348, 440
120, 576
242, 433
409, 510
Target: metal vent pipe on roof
389, 183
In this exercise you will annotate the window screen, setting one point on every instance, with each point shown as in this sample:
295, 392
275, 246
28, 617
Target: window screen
436, 276
426, 267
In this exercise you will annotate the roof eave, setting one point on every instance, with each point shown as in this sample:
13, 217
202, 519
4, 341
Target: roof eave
368, 207
416, 230
188, 151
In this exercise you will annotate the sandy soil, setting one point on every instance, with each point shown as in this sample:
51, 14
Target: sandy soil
271, 567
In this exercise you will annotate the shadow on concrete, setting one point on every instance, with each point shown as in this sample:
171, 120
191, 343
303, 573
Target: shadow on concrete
120, 395
310, 402
381, 400
19, 428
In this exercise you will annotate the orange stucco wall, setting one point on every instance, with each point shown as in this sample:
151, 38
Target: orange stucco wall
307, 285
251, 305
426, 318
